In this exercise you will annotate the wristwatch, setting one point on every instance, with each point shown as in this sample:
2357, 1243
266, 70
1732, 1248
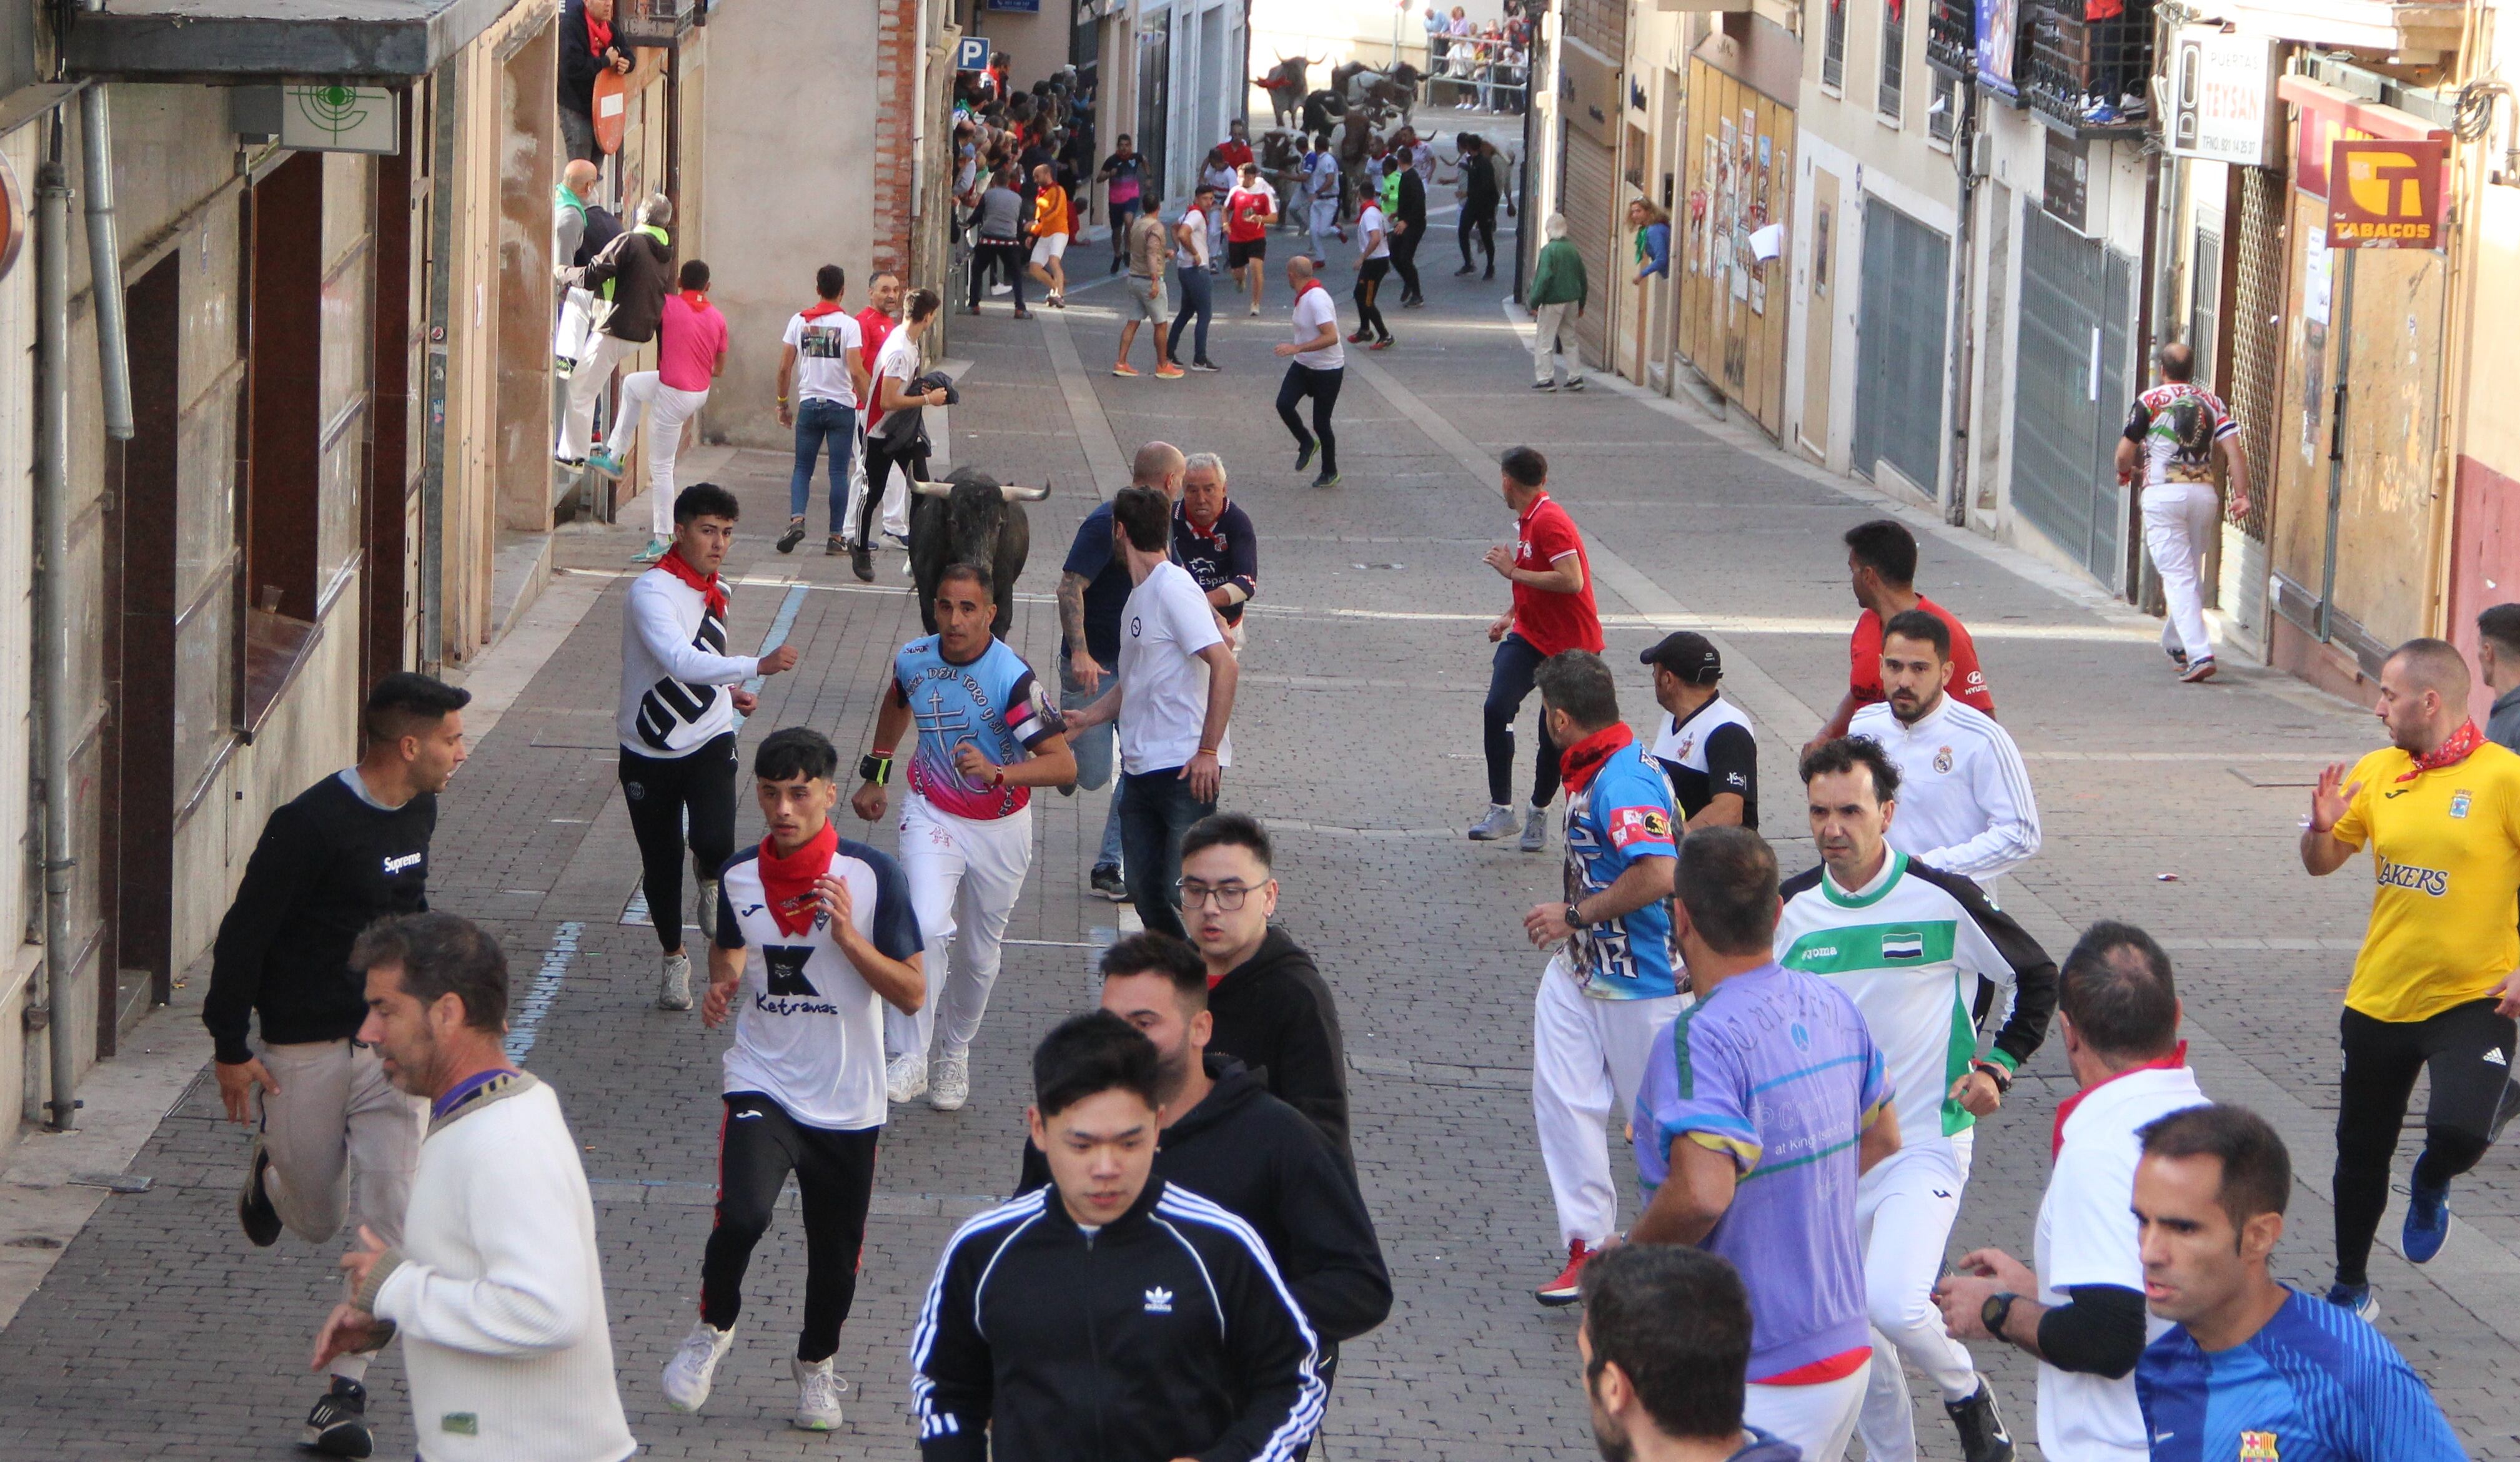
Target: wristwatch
1575, 920
1996, 1073
1996, 1310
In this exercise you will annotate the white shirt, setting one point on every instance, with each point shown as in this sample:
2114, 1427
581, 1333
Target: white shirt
1965, 800
1314, 309
1370, 228
675, 669
1321, 178
808, 1030
824, 345
2086, 1235
898, 359
1163, 683
1194, 255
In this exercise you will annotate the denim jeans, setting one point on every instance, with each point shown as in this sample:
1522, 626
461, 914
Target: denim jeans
1093, 748
1155, 809
1509, 682
1196, 300
823, 423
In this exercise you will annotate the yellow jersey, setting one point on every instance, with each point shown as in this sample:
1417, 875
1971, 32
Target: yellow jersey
2446, 861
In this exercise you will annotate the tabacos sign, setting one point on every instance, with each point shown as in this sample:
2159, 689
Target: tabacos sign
2385, 193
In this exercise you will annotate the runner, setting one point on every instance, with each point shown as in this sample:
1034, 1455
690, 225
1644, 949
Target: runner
1146, 250
838, 941
1605, 994
2254, 1368
1222, 177
1552, 611
1967, 807
346, 852
1249, 209
1109, 1315
876, 324
2174, 434
1373, 261
1665, 1344
2434, 987
897, 431
1124, 176
1317, 370
998, 228
1881, 560
1192, 272
690, 354
1913, 946
822, 351
1804, 1117
1708, 752
680, 695
1479, 174
1053, 221
1408, 212
1321, 199
987, 736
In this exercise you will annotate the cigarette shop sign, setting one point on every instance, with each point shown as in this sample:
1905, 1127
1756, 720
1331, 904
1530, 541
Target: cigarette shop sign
2385, 193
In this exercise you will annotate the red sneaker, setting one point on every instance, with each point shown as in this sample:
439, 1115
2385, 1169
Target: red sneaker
1568, 1286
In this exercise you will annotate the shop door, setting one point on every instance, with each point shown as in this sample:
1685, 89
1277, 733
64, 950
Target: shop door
1899, 362
1819, 313
1154, 96
2072, 382
1592, 181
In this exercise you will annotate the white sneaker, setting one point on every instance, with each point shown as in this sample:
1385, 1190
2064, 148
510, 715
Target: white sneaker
905, 1077
695, 1362
674, 991
952, 1085
1500, 823
818, 1395
706, 916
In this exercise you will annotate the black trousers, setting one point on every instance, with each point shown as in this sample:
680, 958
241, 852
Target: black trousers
1478, 222
1369, 283
881, 459
1404, 262
1323, 387
1510, 676
758, 1146
2381, 1060
661, 792
1008, 257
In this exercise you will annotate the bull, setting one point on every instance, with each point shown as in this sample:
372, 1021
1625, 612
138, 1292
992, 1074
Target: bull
1286, 85
971, 517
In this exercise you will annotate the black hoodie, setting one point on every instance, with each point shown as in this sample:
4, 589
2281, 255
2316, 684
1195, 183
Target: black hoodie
1275, 1015
1258, 1159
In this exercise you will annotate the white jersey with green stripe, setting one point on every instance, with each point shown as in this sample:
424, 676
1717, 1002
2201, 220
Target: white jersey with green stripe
1914, 949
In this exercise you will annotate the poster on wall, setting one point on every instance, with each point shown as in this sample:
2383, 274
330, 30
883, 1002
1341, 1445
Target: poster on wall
1995, 45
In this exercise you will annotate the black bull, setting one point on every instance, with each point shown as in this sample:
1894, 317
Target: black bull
971, 517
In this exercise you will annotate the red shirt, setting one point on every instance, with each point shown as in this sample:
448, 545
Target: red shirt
1236, 152
1552, 622
873, 326
1863, 654
1247, 214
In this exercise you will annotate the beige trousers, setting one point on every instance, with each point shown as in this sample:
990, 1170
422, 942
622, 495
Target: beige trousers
342, 1143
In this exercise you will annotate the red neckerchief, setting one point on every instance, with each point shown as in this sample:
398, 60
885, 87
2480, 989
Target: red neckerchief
1578, 763
788, 884
708, 585
1213, 535
2462, 745
1308, 285
599, 34
696, 301
2064, 1109
821, 307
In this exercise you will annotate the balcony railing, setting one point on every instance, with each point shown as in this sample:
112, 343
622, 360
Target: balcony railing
1951, 38
655, 23
2093, 76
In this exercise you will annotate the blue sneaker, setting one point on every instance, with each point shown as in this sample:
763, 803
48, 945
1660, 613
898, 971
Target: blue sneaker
2356, 1298
605, 462
2427, 1224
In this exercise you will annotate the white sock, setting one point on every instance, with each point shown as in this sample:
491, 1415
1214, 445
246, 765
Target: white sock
350, 1366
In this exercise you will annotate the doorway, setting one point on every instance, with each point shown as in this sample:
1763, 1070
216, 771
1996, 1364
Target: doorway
1820, 327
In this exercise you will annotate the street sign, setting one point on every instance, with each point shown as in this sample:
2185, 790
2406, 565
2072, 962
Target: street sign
13, 218
329, 118
611, 111
2385, 195
2222, 105
971, 53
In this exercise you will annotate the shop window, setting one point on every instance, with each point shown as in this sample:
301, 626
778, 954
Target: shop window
1894, 60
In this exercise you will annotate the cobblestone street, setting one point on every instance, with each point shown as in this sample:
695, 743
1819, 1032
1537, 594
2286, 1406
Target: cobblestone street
160, 1332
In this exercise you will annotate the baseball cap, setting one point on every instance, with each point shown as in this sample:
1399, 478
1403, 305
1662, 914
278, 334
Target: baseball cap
1688, 655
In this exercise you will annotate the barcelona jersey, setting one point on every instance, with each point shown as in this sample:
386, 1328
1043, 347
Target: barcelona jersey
994, 703
2316, 1384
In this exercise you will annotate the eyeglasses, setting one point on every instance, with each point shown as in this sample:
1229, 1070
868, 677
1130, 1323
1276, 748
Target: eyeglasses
1226, 896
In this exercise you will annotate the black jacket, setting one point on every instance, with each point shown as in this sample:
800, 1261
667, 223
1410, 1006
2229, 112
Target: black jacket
641, 272
329, 865
1275, 1015
579, 65
1262, 1162
1413, 202
1167, 1334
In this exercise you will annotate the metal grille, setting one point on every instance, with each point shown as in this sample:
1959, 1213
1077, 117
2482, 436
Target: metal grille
1942, 115
1590, 178
1894, 58
2257, 336
1832, 47
1950, 36
2072, 377
1899, 361
2090, 74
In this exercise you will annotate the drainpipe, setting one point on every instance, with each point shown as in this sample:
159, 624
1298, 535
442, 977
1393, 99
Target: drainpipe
51, 514
1964, 316
105, 260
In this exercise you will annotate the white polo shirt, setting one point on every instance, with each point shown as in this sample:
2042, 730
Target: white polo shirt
2086, 1235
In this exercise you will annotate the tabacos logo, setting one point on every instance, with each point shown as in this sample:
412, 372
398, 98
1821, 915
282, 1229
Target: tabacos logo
2433, 881
2385, 193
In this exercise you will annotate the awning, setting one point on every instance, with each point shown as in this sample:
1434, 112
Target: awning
264, 40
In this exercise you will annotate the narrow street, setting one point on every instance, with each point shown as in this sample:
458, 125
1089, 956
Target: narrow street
160, 1332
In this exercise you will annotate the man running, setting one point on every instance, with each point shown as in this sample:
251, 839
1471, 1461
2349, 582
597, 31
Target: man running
2174, 434
1408, 212
1053, 221
1192, 274
1752, 1146
1249, 209
987, 736
2254, 1368
2434, 987
680, 695
1552, 611
333, 1138
1373, 261
690, 354
1913, 946
1881, 560
876, 324
1123, 176
1967, 807
836, 941
1707, 749
1482, 172
1213, 538
823, 352
1611, 986
1318, 367
1321, 199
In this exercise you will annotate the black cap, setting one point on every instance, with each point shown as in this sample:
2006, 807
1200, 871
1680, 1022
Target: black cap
1688, 655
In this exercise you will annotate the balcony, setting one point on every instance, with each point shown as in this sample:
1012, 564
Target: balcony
1951, 38
2089, 79
656, 22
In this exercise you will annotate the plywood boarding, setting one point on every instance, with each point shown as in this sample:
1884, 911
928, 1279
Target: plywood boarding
2299, 542
1739, 157
2385, 521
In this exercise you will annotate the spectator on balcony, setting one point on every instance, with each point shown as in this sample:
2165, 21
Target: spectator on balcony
1653, 238
586, 50
2116, 41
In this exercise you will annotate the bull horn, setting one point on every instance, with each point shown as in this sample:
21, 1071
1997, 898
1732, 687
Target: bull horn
933, 488
1014, 494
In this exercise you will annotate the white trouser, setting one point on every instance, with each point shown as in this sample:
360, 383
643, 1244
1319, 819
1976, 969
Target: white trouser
1817, 1419
964, 877
1587, 1057
896, 493
1904, 1210
586, 382
2179, 519
343, 1144
1546, 351
1324, 225
666, 408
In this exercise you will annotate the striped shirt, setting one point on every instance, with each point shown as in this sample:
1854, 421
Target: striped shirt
2316, 1384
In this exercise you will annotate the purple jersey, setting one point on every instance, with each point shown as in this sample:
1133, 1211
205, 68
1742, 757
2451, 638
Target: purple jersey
1777, 1071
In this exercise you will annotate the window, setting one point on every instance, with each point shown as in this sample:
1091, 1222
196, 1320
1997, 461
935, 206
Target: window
1942, 117
1894, 58
2205, 302
1832, 52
